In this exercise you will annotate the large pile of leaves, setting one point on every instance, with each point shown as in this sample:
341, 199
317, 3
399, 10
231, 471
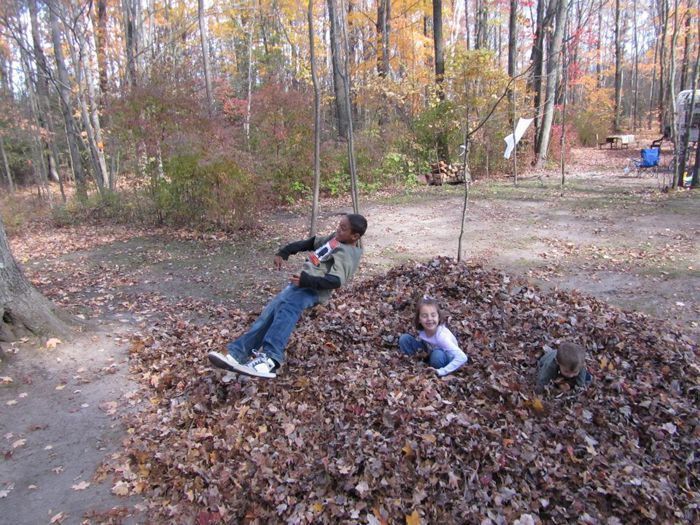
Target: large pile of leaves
352, 432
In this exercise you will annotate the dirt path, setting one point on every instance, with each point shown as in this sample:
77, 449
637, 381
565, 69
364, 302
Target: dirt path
61, 410
616, 237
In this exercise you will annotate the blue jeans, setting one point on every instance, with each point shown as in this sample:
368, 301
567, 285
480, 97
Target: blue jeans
272, 329
410, 345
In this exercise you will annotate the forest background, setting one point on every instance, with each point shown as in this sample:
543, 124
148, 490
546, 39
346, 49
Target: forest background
199, 112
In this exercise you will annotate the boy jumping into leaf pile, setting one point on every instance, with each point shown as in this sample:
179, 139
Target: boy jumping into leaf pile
332, 262
567, 362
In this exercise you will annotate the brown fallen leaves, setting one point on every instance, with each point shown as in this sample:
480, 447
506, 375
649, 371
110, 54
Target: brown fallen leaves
351, 431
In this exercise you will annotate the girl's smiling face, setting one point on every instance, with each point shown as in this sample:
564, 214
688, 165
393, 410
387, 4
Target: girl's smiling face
429, 318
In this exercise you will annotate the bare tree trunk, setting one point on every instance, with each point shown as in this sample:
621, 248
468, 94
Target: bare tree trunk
38, 148
64, 91
481, 29
512, 36
205, 54
554, 62
685, 138
599, 48
696, 169
678, 141
101, 46
442, 146
23, 310
130, 12
42, 88
635, 107
342, 113
382, 25
348, 109
618, 69
383, 15
6, 165
671, 94
89, 106
512, 46
686, 47
467, 33
81, 52
537, 60
317, 121
663, 12
653, 78
562, 138
249, 84
467, 180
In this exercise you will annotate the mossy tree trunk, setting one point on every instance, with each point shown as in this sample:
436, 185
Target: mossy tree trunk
23, 309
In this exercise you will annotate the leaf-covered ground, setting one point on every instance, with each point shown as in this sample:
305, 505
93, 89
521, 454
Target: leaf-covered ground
353, 432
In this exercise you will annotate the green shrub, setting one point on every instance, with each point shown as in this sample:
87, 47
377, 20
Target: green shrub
198, 192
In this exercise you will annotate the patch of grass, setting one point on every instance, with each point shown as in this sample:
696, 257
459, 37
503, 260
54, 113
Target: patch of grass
670, 270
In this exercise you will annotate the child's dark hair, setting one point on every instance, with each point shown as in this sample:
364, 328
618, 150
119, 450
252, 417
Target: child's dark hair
358, 224
429, 301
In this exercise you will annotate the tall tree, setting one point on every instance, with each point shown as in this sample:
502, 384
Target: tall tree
205, 54
383, 25
6, 166
536, 80
684, 140
442, 147
512, 46
635, 70
618, 68
345, 73
43, 101
512, 36
101, 45
82, 49
38, 162
339, 88
481, 25
554, 62
317, 120
131, 10
671, 96
663, 71
652, 87
23, 310
467, 32
599, 47
685, 77
64, 92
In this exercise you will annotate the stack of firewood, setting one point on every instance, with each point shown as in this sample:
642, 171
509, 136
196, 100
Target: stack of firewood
443, 173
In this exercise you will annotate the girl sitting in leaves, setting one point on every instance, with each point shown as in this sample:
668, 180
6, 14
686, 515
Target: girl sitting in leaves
444, 353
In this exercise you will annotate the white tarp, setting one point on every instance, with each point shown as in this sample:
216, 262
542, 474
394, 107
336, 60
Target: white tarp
520, 128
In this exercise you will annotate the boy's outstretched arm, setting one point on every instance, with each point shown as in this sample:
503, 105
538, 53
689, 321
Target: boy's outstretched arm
292, 248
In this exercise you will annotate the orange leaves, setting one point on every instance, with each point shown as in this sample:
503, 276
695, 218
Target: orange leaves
537, 405
52, 343
413, 518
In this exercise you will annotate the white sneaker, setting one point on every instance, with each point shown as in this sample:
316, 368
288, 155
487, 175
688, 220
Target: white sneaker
225, 361
261, 366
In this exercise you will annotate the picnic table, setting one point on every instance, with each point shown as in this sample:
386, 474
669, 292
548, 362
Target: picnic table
617, 141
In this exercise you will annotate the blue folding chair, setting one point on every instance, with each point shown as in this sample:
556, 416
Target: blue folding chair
649, 160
